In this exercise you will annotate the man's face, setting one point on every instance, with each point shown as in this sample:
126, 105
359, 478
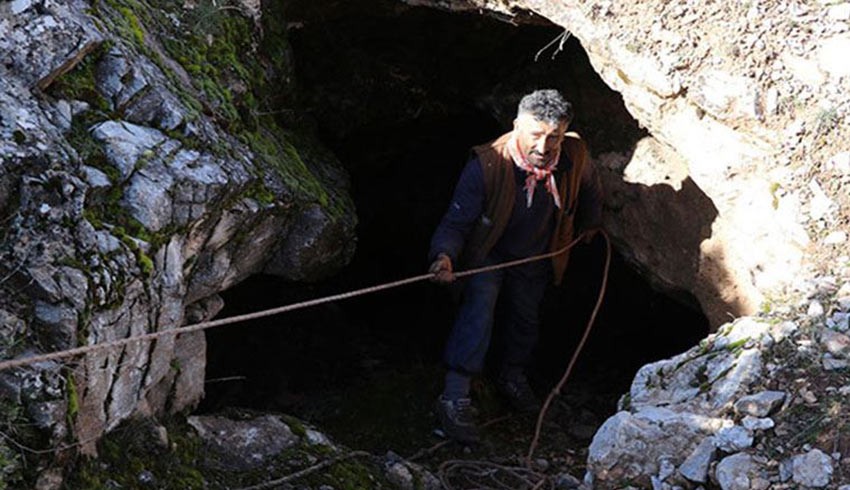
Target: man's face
538, 140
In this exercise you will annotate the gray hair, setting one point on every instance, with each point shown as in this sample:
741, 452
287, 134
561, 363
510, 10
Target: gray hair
546, 105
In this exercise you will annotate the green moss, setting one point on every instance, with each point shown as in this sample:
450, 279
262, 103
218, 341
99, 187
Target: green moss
144, 262
73, 399
129, 450
295, 426
79, 83
218, 48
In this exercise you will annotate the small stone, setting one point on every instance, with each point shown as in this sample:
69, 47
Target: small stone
813, 469
695, 467
839, 321
835, 238
316, 438
808, 396
844, 390
735, 472
541, 463
786, 469
733, 439
815, 310
665, 469
20, 6
754, 423
771, 104
835, 343
146, 478
63, 110
781, 331
760, 404
759, 483
820, 203
566, 481
95, 177
832, 364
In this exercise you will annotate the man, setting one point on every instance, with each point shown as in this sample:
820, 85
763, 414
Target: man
517, 197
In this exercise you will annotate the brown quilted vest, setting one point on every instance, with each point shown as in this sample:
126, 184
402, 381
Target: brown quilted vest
499, 189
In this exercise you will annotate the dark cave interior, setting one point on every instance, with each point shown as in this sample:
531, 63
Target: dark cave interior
400, 94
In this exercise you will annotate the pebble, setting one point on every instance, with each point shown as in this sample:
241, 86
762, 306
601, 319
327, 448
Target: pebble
831, 364
839, 321
808, 396
815, 310
733, 439
813, 469
754, 423
835, 238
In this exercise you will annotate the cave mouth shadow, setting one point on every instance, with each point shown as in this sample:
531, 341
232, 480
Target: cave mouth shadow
401, 107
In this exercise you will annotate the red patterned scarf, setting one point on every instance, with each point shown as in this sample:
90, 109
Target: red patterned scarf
536, 174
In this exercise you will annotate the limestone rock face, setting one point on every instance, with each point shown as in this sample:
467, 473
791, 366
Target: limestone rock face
677, 411
126, 207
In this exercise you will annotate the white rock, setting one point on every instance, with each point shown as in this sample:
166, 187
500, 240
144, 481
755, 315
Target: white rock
735, 472
839, 12
834, 342
781, 331
760, 404
95, 177
831, 364
839, 321
813, 469
20, 6
733, 439
832, 56
820, 203
844, 390
835, 238
840, 161
665, 469
815, 310
755, 423
695, 467
771, 103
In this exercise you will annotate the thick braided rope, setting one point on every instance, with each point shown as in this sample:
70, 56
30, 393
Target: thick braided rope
77, 351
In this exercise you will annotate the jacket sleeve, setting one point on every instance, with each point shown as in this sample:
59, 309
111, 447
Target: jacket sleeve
590, 199
464, 211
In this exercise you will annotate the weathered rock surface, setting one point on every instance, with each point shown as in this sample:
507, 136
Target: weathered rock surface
244, 444
126, 208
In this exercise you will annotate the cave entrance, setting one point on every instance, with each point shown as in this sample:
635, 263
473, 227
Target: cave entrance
400, 94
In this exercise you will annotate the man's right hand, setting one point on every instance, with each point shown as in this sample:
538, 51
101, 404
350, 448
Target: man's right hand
442, 269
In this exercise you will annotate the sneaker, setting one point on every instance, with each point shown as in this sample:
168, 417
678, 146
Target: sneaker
518, 392
457, 419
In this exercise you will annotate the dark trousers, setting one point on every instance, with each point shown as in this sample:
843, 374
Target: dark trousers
521, 290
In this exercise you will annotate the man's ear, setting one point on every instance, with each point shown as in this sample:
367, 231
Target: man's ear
515, 123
